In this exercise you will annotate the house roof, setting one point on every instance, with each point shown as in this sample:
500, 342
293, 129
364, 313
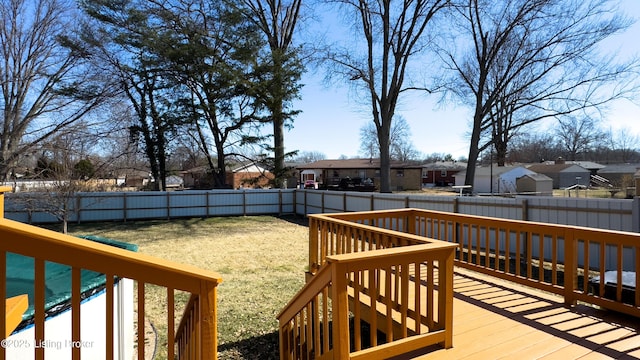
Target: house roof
620, 169
589, 165
537, 177
249, 167
488, 171
556, 168
355, 164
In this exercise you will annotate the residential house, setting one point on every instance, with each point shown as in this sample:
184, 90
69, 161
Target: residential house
441, 173
619, 175
197, 178
330, 172
564, 174
174, 182
494, 179
593, 167
250, 175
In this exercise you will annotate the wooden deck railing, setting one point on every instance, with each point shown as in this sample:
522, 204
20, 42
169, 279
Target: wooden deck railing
397, 283
197, 334
567, 260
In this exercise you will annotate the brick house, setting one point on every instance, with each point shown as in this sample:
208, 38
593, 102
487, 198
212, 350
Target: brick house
325, 173
441, 173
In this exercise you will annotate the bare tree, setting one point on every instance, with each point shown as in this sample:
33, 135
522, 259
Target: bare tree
65, 166
577, 136
310, 156
534, 147
626, 145
400, 146
532, 60
45, 84
393, 33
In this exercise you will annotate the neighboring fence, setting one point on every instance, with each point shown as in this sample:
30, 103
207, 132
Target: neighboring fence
125, 206
610, 214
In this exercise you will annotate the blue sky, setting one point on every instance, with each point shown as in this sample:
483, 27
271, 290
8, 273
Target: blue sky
331, 119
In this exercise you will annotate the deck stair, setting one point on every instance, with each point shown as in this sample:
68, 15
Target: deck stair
410, 287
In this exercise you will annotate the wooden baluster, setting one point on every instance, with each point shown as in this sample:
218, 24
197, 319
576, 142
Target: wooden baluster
171, 323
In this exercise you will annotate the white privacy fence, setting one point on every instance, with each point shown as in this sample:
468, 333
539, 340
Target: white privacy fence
612, 214
143, 205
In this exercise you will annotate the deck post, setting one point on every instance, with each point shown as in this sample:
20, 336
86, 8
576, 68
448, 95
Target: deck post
340, 310
445, 294
570, 268
209, 313
3, 189
314, 262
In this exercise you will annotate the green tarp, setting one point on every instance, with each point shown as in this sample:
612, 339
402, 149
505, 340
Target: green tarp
20, 280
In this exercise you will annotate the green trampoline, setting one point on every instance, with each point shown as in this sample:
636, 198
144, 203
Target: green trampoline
20, 280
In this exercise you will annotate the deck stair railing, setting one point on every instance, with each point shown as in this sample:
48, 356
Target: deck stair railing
381, 295
194, 338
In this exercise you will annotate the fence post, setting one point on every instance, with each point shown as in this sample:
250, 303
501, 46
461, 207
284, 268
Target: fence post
456, 206
78, 208
635, 214
244, 202
168, 206
279, 202
525, 210
124, 206
206, 202
306, 210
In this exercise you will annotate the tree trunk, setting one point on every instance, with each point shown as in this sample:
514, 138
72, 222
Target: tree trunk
501, 152
278, 144
220, 174
473, 152
385, 163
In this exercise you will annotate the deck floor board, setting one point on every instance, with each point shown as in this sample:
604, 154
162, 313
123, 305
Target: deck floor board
496, 319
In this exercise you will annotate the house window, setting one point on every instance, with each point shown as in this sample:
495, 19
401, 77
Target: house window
443, 173
400, 173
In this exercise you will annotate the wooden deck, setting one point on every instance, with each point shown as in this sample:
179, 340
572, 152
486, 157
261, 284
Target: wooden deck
495, 319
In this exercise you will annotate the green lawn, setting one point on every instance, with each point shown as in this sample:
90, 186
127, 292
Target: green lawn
261, 259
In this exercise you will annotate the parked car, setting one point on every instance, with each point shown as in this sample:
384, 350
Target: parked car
309, 184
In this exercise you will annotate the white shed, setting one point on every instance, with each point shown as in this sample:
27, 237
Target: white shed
495, 179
